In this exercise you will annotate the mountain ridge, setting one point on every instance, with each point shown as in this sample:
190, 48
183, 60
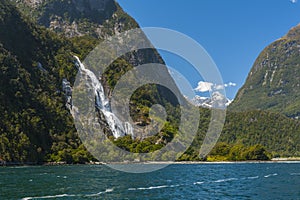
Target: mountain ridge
36, 61
273, 82
71, 18
46, 61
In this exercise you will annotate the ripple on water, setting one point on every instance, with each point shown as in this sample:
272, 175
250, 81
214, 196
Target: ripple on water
50, 196
99, 193
225, 180
270, 175
198, 183
153, 187
253, 177
69, 195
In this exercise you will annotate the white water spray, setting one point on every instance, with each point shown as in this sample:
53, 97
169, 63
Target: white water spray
102, 103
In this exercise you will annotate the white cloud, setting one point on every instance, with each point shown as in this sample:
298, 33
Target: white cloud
219, 87
230, 84
204, 86
294, 1
207, 86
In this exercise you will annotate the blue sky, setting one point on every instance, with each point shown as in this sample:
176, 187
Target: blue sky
233, 32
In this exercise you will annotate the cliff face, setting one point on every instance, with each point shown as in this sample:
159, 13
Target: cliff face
97, 18
37, 71
274, 81
38, 41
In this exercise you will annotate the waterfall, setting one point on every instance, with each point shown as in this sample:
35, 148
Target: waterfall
102, 103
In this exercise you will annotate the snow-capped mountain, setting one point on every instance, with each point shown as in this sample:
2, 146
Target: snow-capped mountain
216, 100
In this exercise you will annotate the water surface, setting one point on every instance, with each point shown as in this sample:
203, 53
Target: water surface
179, 181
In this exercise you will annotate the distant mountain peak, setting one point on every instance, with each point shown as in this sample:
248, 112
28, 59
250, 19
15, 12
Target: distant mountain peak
210, 102
294, 33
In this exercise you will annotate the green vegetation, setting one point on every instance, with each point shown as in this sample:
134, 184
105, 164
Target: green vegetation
36, 126
277, 134
79, 18
226, 152
273, 82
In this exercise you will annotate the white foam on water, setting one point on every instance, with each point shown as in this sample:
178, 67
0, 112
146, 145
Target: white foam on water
269, 175
131, 189
100, 193
109, 190
198, 183
68, 195
295, 174
153, 187
174, 186
225, 180
253, 177
50, 196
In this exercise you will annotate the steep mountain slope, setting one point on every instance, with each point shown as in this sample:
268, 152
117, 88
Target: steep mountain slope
34, 120
35, 61
36, 125
274, 81
97, 18
279, 134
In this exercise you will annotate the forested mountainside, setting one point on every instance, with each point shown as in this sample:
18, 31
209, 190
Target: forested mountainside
37, 126
34, 120
273, 82
38, 42
263, 132
97, 18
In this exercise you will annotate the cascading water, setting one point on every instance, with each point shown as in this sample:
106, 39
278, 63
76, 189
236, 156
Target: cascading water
102, 103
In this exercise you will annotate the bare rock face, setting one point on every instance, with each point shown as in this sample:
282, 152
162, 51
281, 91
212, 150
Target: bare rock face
32, 3
81, 5
57, 24
97, 18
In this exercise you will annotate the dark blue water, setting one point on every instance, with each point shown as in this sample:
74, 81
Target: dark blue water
194, 181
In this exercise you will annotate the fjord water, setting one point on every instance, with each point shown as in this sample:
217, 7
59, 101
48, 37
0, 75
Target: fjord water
180, 181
